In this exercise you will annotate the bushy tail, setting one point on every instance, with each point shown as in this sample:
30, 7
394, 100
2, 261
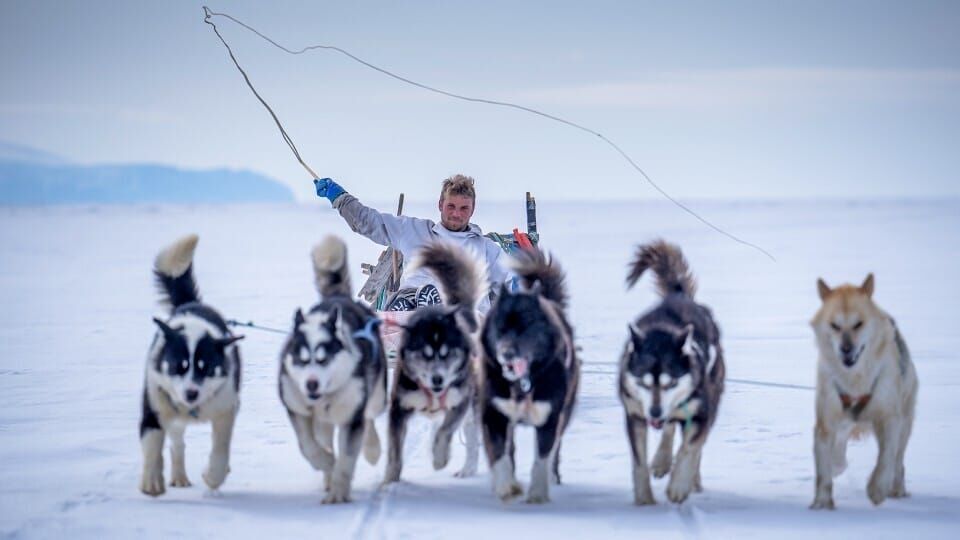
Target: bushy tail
330, 271
371, 443
667, 262
173, 272
462, 278
532, 266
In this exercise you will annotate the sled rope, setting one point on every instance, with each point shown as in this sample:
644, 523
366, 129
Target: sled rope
208, 15
249, 324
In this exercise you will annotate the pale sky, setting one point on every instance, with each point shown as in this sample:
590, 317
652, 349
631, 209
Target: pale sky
736, 100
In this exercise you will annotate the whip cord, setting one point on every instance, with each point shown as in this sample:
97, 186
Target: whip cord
208, 14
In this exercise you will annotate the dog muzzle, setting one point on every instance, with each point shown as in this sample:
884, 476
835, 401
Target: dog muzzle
517, 371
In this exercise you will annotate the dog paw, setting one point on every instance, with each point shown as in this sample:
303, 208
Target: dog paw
878, 488
509, 491
152, 483
537, 498
441, 455
822, 503
678, 491
336, 496
467, 471
555, 478
180, 480
392, 475
320, 461
215, 474
644, 499
661, 464
899, 493
440, 458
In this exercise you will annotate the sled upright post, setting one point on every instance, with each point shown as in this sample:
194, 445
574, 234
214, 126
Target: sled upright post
531, 215
395, 283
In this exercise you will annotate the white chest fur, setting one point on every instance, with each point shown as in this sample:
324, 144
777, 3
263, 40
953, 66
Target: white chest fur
336, 408
527, 411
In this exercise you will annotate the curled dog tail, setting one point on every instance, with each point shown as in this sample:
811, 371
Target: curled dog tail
461, 276
536, 269
371, 442
173, 272
667, 262
330, 271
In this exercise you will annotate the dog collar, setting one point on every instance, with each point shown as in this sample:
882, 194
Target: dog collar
855, 404
194, 412
441, 399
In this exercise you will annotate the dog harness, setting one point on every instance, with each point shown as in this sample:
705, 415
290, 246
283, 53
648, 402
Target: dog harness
367, 333
441, 399
194, 412
856, 404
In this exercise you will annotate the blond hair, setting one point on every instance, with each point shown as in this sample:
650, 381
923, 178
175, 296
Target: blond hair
458, 184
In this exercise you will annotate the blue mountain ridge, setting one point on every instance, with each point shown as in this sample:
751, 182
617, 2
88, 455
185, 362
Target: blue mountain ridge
32, 183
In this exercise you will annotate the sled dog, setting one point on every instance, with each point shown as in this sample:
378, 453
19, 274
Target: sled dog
671, 374
192, 375
528, 374
434, 374
333, 375
865, 382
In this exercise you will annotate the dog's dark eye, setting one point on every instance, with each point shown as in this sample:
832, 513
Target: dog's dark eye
858, 325
835, 326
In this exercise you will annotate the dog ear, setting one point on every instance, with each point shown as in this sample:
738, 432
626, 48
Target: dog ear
167, 331
636, 333
537, 288
823, 289
298, 319
224, 342
340, 328
867, 287
504, 291
688, 341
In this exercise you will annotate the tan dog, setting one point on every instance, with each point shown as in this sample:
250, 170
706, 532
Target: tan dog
865, 381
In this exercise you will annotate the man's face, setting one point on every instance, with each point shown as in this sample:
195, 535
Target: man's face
455, 212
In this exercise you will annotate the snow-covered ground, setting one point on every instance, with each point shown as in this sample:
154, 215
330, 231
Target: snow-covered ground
76, 298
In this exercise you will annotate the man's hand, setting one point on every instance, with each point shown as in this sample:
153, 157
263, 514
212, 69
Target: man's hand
328, 188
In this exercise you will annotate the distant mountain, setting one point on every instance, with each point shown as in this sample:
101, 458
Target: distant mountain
33, 177
18, 152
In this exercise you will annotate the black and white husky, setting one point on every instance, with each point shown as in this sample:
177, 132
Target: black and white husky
671, 373
333, 375
528, 374
192, 375
433, 375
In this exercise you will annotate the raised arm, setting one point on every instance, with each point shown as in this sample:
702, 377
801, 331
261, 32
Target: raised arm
400, 232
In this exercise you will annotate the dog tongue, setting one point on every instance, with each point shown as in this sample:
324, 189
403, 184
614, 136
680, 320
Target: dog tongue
519, 367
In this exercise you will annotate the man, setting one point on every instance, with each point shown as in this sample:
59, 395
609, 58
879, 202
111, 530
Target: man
408, 234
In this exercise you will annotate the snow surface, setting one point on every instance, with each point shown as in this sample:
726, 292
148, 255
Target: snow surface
77, 297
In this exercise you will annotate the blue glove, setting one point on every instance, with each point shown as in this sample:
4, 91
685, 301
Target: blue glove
328, 188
